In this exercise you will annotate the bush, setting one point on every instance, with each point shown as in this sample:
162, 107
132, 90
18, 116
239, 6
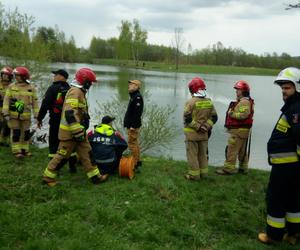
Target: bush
158, 126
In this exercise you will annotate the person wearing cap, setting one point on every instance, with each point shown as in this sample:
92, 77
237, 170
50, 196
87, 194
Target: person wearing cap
107, 146
283, 193
133, 119
53, 103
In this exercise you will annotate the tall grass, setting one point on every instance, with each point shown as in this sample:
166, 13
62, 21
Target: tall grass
158, 209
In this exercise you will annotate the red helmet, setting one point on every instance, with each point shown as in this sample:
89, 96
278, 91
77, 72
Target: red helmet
242, 85
196, 84
7, 70
23, 72
84, 75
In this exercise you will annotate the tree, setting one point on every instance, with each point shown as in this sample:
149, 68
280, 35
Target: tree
139, 38
17, 46
189, 53
293, 6
178, 43
125, 40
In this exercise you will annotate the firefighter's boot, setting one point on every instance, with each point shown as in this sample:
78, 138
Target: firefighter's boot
264, 238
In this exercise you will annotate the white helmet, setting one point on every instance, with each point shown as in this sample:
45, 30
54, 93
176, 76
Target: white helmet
290, 74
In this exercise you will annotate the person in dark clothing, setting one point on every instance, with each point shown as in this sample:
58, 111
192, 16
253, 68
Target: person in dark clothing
53, 102
107, 146
283, 194
133, 119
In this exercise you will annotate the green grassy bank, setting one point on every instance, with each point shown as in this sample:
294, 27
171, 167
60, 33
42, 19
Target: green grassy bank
158, 209
189, 68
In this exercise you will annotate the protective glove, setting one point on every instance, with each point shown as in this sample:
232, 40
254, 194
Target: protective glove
80, 136
19, 106
188, 118
203, 128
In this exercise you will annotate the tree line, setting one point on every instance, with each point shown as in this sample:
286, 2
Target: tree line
19, 39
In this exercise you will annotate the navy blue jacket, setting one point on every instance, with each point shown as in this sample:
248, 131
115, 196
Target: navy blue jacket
284, 143
133, 115
106, 145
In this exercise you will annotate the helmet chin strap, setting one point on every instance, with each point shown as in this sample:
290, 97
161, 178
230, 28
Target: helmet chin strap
87, 85
200, 93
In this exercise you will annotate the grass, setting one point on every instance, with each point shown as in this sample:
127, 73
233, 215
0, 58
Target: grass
158, 209
189, 68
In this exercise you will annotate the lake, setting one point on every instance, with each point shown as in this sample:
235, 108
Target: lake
171, 89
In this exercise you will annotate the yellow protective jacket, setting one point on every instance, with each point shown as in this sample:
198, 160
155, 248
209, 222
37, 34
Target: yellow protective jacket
203, 116
3, 88
22, 92
74, 115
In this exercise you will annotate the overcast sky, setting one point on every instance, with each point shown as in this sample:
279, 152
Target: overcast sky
256, 26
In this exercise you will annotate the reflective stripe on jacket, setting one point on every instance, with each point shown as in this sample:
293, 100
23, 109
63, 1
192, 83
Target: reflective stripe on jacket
3, 88
241, 115
284, 143
203, 114
22, 92
75, 102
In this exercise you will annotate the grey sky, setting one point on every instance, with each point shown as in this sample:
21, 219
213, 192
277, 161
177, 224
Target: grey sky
256, 26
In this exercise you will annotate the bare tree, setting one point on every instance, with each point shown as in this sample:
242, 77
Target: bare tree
189, 52
293, 6
178, 43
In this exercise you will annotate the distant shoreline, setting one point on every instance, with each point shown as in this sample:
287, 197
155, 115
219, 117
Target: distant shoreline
188, 68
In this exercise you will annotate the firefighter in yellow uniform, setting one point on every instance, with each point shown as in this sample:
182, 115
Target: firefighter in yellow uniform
199, 117
238, 121
19, 102
72, 130
6, 78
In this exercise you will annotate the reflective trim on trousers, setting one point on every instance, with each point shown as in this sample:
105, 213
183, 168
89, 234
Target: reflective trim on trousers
194, 172
229, 165
93, 172
275, 222
49, 174
293, 217
204, 170
105, 161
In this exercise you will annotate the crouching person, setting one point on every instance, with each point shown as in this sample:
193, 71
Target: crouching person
72, 135
107, 146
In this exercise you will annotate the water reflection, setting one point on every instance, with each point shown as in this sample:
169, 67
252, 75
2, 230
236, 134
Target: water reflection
170, 89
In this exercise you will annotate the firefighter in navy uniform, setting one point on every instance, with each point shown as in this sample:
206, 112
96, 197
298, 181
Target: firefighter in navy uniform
72, 131
283, 194
238, 121
107, 146
133, 119
6, 78
53, 102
